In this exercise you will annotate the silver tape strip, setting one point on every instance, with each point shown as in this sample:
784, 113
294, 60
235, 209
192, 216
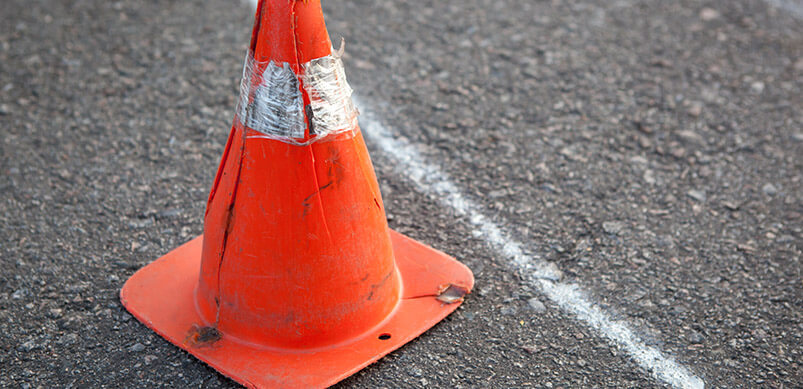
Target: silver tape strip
331, 107
272, 104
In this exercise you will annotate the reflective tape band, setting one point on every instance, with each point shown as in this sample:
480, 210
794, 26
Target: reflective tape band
331, 107
272, 104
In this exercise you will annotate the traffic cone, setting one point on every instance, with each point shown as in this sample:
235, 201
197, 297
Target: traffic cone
297, 280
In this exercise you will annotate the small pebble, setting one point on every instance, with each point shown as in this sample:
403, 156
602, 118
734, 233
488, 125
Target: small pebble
695, 110
709, 14
28, 346
68, 339
695, 337
696, 195
169, 213
137, 347
649, 177
548, 271
494, 194
18, 294
613, 228
536, 305
508, 311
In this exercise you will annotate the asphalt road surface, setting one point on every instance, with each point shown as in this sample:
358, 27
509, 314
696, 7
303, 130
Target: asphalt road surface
649, 152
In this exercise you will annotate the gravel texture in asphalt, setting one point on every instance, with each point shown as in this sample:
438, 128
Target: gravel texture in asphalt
650, 149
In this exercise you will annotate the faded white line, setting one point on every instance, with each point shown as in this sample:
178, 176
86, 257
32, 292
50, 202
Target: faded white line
545, 276
795, 7
434, 182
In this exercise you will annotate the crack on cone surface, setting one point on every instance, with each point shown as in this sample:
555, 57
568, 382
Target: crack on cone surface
376, 286
228, 227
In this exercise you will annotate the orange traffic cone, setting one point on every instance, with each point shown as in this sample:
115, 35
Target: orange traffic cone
297, 280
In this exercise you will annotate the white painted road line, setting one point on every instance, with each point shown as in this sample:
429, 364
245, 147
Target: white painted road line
794, 7
545, 276
431, 180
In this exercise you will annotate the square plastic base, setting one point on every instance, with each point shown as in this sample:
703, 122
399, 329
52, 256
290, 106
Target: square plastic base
173, 315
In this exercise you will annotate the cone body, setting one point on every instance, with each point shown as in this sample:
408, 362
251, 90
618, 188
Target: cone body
296, 246
297, 280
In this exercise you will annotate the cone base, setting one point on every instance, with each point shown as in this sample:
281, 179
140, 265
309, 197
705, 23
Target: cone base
161, 295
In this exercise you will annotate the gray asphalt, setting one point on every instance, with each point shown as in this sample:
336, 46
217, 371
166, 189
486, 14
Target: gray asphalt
650, 149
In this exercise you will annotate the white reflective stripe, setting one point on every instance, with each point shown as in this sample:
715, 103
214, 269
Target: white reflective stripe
278, 107
272, 104
332, 110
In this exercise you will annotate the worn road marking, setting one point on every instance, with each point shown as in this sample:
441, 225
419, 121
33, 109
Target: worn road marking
795, 7
434, 182
431, 180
